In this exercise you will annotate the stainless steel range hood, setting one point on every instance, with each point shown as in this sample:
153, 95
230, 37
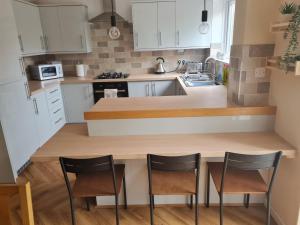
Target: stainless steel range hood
106, 15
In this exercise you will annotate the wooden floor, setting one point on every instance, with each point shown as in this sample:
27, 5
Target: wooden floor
51, 206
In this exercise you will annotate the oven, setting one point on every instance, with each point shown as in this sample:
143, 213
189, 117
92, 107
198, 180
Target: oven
99, 88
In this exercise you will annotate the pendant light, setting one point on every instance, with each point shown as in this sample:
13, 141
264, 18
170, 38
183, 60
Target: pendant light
114, 32
204, 26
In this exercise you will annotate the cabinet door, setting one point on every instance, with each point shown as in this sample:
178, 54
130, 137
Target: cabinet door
9, 46
145, 25
18, 123
163, 88
42, 117
78, 98
139, 89
72, 20
166, 24
29, 28
51, 28
188, 19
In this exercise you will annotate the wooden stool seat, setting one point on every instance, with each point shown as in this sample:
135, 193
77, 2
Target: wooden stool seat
173, 183
237, 181
98, 183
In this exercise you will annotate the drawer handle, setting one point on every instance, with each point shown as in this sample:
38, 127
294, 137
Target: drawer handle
51, 92
55, 101
57, 121
57, 111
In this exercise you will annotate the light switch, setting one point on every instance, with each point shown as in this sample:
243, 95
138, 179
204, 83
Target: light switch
260, 72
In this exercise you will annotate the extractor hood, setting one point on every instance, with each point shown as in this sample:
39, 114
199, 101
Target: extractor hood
106, 15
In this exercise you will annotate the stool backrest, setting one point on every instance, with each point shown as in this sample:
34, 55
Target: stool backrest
251, 162
174, 163
79, 166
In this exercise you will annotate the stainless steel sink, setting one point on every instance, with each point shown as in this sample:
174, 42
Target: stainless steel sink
197, 80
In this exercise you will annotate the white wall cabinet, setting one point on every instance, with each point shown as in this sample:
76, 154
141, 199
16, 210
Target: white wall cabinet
66, 29
51, 28
10, 63
29, 27
18, 123
42, 117
145, 25
151, 88
161, 25
78, 98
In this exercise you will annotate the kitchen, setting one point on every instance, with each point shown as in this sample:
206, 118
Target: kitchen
127, 86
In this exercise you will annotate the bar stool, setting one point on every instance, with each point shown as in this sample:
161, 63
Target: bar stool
94, 177
239, 174
177, 175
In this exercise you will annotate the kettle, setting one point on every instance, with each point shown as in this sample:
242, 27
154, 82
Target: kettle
160, 66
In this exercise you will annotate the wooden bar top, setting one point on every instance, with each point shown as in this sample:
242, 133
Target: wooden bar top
73, 141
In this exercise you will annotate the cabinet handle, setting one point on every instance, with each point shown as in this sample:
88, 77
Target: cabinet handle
55, 101
159, 38
178, 35
35, 106
147, 90
46, 42
21, 43
56, 111
42, 42
136, 40
81, 41
57, 121
153, 89
27, 90
51, 92
22, 66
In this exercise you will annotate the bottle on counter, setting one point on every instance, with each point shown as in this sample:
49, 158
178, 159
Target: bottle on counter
225, 74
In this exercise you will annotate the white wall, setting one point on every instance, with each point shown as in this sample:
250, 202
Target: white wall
252, 22
285, 94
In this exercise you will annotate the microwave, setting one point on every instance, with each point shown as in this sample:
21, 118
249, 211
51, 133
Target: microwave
47, 71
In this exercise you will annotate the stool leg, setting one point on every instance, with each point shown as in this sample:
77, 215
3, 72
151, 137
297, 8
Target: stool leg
247, 200
72, 211
153, 202
125, 194
196, 210
87, 201
207, 188
151, 209
221, 208
268, 209
191, 205
117, 209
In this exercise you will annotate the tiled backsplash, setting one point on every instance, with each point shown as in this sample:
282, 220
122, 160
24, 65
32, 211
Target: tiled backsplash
244, 87
118, 55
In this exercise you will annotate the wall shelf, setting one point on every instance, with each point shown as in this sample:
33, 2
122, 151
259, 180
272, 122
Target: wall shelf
279, 27
274, 64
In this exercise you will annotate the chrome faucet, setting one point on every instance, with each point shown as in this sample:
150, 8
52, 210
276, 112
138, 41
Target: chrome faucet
213, 63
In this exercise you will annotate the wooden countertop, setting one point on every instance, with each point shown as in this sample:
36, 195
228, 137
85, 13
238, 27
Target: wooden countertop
73, 141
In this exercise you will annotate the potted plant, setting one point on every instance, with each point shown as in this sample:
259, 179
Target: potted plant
292, 35
286, 11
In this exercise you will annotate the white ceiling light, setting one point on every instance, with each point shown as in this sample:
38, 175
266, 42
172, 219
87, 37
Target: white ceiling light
114, 32
204, 26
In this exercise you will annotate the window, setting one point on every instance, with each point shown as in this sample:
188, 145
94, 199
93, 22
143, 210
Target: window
229, 25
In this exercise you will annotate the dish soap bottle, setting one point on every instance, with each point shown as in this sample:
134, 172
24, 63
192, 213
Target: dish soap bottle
225, 74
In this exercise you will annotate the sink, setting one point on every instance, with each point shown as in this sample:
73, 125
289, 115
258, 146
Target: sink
198, 80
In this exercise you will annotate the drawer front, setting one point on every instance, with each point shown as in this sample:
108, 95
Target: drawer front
55, 103
58, 120
53, 93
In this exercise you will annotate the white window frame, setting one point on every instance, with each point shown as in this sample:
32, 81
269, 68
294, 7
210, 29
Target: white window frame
226, 39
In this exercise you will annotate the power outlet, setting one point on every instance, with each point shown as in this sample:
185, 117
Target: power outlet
260, 72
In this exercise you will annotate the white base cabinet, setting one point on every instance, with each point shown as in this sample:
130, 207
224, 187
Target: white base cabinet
18, 123
78, 98
151, 88
42, 117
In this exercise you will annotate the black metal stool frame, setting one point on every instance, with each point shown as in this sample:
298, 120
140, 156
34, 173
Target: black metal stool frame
247, 162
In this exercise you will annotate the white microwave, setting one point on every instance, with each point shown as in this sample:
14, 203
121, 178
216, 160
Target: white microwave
47, 71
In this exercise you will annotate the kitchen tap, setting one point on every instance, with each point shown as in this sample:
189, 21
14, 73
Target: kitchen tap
212, 62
